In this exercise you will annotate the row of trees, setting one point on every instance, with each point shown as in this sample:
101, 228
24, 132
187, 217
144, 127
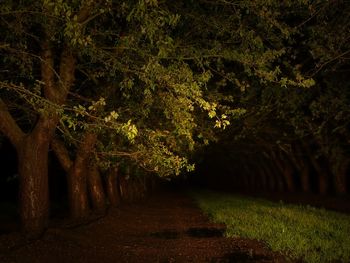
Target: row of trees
298, 139
110, 85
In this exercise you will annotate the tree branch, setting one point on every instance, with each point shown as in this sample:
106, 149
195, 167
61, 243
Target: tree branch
67, 72
9, 127
48, 72
62, 154
85, 11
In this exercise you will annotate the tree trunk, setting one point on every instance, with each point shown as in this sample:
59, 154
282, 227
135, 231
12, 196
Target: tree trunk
340, 178
279, 182
78, 174
77, 178
305, 180
249, 177
32, 152
122, 187
323, 178
285, 169
113, 187
270, 176
97, 195
33, 184
323, 184
288, 175
339, 166
302, 166
265, 177
77, 192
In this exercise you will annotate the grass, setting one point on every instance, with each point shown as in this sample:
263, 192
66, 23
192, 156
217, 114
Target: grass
315, 235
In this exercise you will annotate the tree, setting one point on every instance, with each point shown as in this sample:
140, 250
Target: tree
32, 144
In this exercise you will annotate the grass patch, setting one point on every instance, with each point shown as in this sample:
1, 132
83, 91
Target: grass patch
316, 235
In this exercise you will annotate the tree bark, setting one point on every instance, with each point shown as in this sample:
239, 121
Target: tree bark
302, 167
97, 195
271, 182
323, 179
33, 183
265, 177
113, 187
339, 165
77, 178
249, 177
286, 171
32, 152
340, 178
77, 173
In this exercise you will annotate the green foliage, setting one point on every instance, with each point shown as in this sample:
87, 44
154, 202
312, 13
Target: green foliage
167, 71
316, 235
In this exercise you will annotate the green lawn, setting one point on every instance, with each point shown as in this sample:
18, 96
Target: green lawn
316, 235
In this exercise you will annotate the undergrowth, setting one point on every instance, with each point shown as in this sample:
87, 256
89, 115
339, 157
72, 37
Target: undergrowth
315, 235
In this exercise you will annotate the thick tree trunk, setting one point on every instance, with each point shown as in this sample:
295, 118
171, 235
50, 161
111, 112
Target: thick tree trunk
323, 180
97, 195
140, 190
323, 184
305, 179
77, 175
339, 165
265, 177
271, 182
32, 150
288, 175
77, 191
279, 182
276, 182
302, 166
122, 187
113, 187
77, 178
249, 183
340, 179
33, 186
285, 169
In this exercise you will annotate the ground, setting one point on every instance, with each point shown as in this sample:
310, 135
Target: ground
166, 227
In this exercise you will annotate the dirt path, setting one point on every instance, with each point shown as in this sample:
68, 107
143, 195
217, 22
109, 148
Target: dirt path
167, 227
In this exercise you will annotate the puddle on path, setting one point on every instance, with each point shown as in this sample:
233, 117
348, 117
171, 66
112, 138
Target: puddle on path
203, 232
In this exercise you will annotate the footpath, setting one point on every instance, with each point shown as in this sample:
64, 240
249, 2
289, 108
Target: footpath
166, 227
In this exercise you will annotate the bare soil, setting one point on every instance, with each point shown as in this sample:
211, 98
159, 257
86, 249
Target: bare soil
167, 227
